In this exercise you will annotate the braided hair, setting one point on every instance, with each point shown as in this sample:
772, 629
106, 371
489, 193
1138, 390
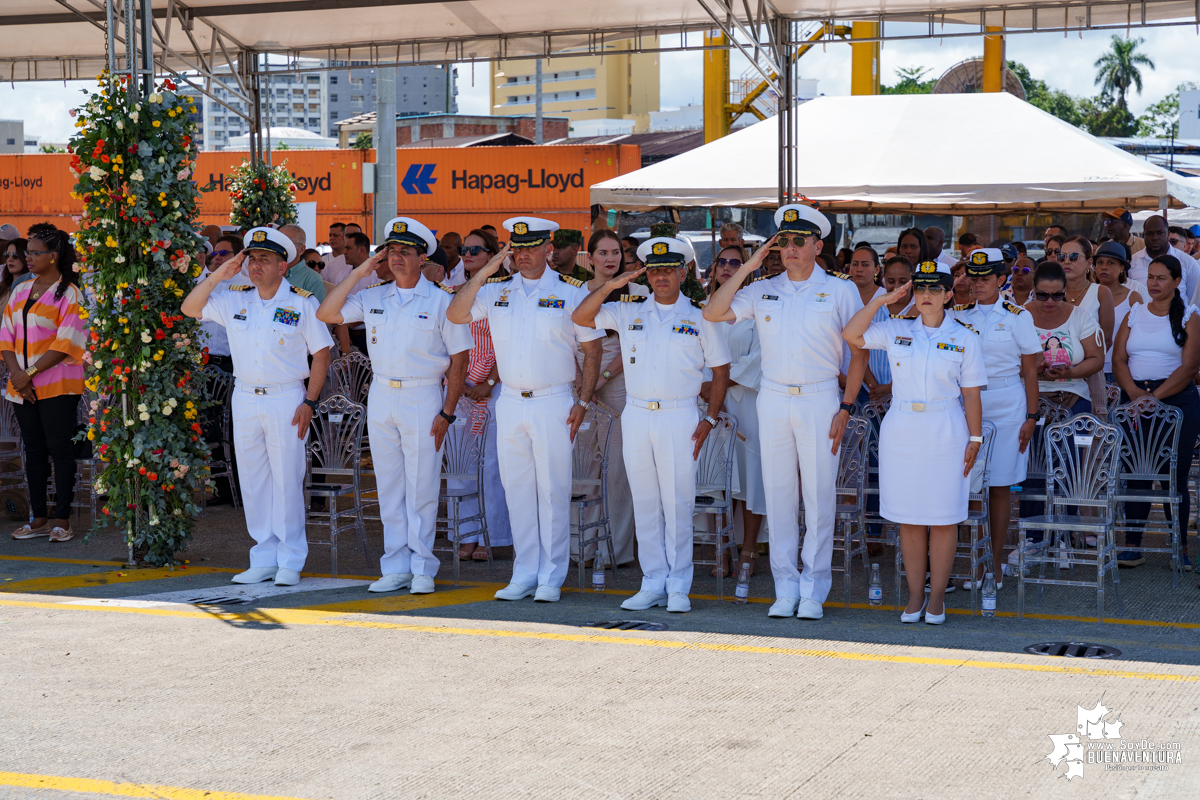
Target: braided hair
1178, 307
60, 243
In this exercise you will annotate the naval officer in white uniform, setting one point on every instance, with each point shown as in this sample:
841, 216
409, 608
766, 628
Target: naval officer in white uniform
1011, 349
412, 348
928, 440
537, 416
802, 415
273, 328
665, 343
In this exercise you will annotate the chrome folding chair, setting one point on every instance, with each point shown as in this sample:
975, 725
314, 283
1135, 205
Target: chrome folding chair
589, 486
87, 470
463, 452
334, 471
979, 515
714, 495
1149, 453
850, 514
12, 458
1083, 461
873, 412
1033, 488
352, 376
1112, 395
218, 389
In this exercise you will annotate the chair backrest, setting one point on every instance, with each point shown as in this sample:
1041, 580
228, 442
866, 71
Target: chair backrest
590, 452
714, 468
1083, 457
10, 431
465, 442
1112, 394
873, 412
1049, 413
352, 376
852, 458
218, 388
335, 438
1149, 439
984, 458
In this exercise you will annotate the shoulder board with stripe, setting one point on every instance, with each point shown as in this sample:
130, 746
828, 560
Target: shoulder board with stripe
762, 278
632, 298
445, 288
904, 316
240, 288
698, 305
301, 292
841, 275
1012, 308
503, 279
968, 327
573, 281
384, 283
964, 307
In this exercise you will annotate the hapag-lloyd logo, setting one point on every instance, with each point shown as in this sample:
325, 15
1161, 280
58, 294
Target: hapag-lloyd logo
305, 184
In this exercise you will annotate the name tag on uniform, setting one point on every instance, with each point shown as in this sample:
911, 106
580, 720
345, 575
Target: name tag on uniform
903, 341
770, 297
685, 328
287, 316
551, 302
953, 348
502, 303
239, 316
376, 311
636, 327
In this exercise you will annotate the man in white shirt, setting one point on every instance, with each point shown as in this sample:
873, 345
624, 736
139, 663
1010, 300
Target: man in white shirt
935, 238
1155, 235
456, 271
336, 267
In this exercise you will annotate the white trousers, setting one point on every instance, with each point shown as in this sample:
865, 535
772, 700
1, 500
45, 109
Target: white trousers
270, 468
662, 476
408, 472
794, 431
533, 442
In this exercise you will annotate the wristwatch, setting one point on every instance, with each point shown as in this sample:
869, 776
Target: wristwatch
848, 408
977, 439
607, 375
491, 381
448, 417
712, 423
311, 404
1035, 416
585, 405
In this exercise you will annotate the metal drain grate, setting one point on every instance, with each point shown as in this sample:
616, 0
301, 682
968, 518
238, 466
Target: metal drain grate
1073, 650
232, 600
627, 625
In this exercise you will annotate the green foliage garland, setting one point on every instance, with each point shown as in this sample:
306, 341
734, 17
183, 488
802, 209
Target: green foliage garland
261, 195
133, 159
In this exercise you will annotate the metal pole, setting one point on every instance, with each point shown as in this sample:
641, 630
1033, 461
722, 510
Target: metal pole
110, 36
147, 51
247, 64
131, 49
266, 68
385, 149
537, 108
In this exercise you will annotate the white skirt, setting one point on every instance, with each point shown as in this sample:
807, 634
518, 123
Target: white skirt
1005, 408
749, 456
921, 479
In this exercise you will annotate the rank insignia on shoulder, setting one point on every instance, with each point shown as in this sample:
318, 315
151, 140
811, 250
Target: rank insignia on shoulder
1012, 308
573, 281
301, 292
287, 316
953, 348
761, 278
501, 279
445, 288
698, 305
968, 327
381, 283
964, 307
240, 288
904, 316
841, 275
632, 298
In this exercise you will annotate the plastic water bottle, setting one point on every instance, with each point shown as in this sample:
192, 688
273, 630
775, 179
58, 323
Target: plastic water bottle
742, 592
875, 592
598, 572
989, 595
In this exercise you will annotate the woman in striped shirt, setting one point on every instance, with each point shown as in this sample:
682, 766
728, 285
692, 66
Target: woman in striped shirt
42, 339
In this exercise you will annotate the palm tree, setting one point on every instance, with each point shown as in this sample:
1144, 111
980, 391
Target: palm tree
1117, 69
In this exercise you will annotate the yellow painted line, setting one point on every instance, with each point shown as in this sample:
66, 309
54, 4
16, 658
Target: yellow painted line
317, 616
59, 561
88, 786
444, 596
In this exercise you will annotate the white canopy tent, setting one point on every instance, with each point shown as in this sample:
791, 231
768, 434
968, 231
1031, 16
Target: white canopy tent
949, 153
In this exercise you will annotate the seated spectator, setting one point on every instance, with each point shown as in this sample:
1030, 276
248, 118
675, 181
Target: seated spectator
1020, 281
1071, 341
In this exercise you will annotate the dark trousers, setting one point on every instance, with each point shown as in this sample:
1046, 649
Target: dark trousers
211, 420
1033, 508
47, 428
1188, 402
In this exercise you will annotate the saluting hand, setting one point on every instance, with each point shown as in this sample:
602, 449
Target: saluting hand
490, 268
617, 281
896, 295
759, 256
302, 419
371, 263
231, 267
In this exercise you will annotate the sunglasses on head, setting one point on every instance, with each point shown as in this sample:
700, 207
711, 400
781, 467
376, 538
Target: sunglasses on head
729, 262
799, 240
1061, 256
472, 250
1044, 296
315, 264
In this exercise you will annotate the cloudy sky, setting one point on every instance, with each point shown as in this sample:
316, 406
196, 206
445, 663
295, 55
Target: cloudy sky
1063, 62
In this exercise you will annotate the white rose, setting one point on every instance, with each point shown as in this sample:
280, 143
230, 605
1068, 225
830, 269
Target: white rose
166, 410
146, 337
144, 417
173, 402
137, 175
143, 407
120, 125
96, 173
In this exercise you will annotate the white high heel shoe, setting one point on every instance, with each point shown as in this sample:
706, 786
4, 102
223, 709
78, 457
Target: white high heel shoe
936, 619
916, 616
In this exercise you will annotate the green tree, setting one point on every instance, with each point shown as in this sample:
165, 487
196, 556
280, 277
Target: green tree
910, 82
1161, 119
1102, 116
1053, 101
1117, 70
364, 141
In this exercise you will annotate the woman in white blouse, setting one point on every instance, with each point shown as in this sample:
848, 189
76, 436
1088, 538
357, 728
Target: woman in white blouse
1112, 272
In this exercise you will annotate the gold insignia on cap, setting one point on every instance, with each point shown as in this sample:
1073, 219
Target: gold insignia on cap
400, 227
979, 258
660, 249
927, 266
520, 228
259, 236
791, 215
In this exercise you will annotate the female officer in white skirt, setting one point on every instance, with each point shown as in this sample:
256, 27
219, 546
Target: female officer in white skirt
1011, 349
927, 440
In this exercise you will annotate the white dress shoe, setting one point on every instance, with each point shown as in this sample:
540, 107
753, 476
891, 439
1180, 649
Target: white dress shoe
915, 616
547, 594
644, 600
979, 585
809, 609
287, 577
936, 619
391, 582
784, 607
422, 584
256, 575
678, 603
515, 591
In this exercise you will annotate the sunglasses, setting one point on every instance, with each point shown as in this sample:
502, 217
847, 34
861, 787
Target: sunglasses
222, 253
472, 250
1176, 242
729, 262
799, 241
1022, 270
315, 264
937, 288
1052, 252
36, 253
1072, 257
1044, 296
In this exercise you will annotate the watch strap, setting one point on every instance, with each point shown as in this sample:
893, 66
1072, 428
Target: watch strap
710, 420
977, 439
1034, 416
448, 417
848, 408
310, 403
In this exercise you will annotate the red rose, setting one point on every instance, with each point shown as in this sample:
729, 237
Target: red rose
160, 334
141, 470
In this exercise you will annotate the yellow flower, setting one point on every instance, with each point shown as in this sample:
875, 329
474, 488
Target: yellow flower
156, 123
122, 320
158, 356
111, 242
91, 435
114, 346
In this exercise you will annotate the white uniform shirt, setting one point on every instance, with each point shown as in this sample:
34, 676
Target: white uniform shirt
1006, 333
665, 349
946, 258
928, 365
532, 332
270, 340
799, 324
1139, 266
335, 270
216, 339
408, 335
457, 275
